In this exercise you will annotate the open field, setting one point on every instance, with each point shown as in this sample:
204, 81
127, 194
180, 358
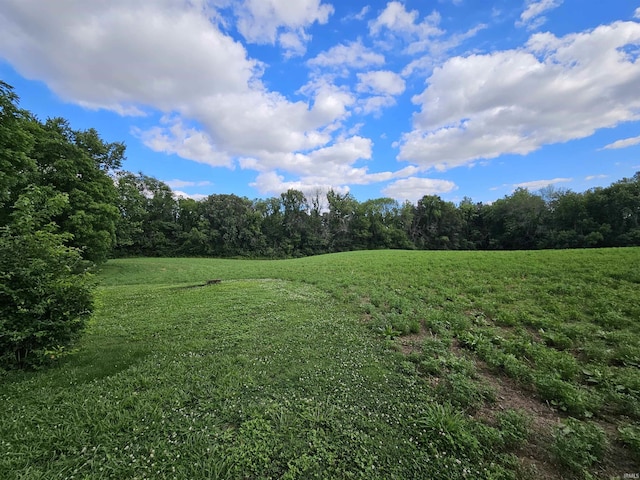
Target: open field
376, 364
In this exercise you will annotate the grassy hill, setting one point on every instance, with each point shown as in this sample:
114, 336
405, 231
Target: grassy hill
377, 364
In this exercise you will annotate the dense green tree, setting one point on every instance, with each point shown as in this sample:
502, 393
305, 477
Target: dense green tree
515, 221
622, 210
232, 225
472, 234
568, 220
271, 225
161, 228
295, 224
16, 144
192, 236
45, 293
132, 207
385, 222
56, 207
71, 162
436, 224
342, 210
317, 235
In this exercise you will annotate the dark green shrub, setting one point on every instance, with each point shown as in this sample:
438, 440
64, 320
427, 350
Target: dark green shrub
443, 425
45, 293
516, 369
414, 326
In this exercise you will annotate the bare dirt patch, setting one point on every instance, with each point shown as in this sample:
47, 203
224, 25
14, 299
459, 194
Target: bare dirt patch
410, 344
511, 396
544, 418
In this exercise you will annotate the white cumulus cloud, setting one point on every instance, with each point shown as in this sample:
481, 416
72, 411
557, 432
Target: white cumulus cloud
172, 137
194, 196
396, 18
353, 55
375, 104
515, 101
381, 82
414, 188
396, 22
176, 183
110, 55
173, 57
265, 21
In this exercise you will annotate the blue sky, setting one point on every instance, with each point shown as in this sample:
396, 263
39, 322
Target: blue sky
401, 99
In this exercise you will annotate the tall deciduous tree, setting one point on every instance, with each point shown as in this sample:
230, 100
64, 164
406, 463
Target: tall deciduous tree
78, 164
16, 144
516, 221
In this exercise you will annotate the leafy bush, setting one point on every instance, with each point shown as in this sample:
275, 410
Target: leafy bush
578, 445
45, 292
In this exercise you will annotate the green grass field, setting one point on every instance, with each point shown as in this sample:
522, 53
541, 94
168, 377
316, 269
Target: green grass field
372, 365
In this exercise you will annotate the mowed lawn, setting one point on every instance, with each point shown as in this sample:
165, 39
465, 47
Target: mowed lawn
376, 364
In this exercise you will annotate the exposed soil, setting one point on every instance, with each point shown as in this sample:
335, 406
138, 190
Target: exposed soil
410, 344
544, 418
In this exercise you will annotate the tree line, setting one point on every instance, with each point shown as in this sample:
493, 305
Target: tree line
66, 206
153, 222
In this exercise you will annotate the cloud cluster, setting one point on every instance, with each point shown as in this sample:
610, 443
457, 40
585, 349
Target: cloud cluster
121, 55
396, 19
175, 183
186, 62
396, 22
174, 57
173, 137
282, 21
352, 55
553, 90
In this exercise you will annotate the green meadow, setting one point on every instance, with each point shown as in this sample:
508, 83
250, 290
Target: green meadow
359, 365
